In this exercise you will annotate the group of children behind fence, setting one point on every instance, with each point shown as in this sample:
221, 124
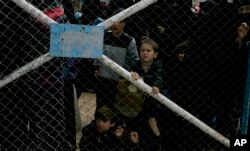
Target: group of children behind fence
123, 112
124, 117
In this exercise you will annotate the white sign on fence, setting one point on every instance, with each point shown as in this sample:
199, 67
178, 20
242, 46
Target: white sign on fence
78, 41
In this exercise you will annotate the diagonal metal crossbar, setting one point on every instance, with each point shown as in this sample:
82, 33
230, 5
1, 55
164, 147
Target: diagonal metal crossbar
112, 65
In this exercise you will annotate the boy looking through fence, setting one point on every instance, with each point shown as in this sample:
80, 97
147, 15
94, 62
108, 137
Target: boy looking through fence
102, 134
132, 104
98, 135
121, 48
150, 70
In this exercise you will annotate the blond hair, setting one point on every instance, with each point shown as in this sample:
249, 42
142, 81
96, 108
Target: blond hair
151, 42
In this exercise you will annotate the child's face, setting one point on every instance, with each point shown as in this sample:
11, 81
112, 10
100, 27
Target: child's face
118, 27
103, 125
147, 53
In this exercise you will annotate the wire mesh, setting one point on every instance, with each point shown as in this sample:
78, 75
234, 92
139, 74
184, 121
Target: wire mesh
204, 66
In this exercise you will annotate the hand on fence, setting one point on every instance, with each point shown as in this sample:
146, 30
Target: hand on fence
160, 29
96, 73
134, 137
242, 31
155, 90
135, 76
119, 131
143, 38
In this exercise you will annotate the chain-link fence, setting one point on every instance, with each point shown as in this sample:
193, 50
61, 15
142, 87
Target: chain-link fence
49, 103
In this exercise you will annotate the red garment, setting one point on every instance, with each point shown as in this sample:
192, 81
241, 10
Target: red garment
54, 13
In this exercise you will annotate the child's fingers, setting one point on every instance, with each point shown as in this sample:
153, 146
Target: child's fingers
155, 90
160, 29
96, 73
134, 137
119, 131
135, 76
119, 128
144, 37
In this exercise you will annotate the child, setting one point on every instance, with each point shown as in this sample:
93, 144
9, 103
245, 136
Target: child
121, 48
150, 70
102, 134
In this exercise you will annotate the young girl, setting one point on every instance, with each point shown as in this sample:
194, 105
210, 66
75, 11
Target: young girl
150, 70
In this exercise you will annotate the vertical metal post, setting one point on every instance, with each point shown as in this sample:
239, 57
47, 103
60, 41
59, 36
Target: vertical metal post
246, 104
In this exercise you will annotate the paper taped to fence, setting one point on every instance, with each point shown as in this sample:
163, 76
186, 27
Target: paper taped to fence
78, 41
87, 107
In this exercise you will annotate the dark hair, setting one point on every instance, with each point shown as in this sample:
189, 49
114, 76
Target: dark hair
151, 42
105, 113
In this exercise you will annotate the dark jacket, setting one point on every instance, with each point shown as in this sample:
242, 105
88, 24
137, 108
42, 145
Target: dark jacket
153, 77
94, 140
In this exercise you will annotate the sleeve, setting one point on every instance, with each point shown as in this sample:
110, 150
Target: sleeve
96, 63
134, 67
69, 68
132, 55
158, 81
